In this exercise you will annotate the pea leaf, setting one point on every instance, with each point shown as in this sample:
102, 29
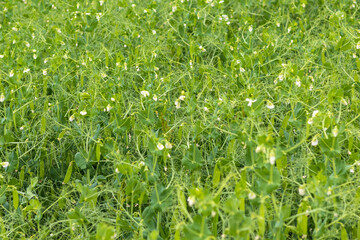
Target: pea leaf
80, 160
193, 158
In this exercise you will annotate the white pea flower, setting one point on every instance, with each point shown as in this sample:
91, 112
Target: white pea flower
250, 28
272, 158
26, 70
145, 93
206, 109
302, 191
270, 105
71, 118
177, 104
242, 69
315, 113
141, 163
335, 131
281, 77
343, 101
298, 83
155, 98
251, 195
352, 170
358, 45
4, 164
329, 191
153, 32
44, 72
202, 48
182, 97
34, 56
250, 101
27, 44
116, 170
11, 74
22, 128
168, 145
108, 107
1, 56
112, 99
191, 201
311, 87
160, 146
278, 24
2, 97
314, 141
310, 121
83, 112
289, 29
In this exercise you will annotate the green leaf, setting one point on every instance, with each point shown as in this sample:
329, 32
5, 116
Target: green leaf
197, 230
80, 160
193, 158
105, 232
216, 176
77, 216
161, 198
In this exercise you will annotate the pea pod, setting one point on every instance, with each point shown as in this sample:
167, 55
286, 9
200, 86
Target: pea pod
15, 198
68, 174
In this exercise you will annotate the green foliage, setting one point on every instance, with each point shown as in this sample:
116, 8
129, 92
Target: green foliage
182, 119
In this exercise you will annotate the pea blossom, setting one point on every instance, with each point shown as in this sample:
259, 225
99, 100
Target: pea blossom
145, 93
4, 164
251, 195
270, 105
160, 146
250, 101
191, 201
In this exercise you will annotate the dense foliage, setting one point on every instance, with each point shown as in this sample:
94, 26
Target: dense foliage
179, 119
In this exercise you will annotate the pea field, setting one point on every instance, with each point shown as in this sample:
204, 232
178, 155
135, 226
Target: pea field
179, 119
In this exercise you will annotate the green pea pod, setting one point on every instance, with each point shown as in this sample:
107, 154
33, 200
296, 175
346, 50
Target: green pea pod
261, 220
302, 219
22, 176
344, 235
42, 169
98, 152
68, 174
15, 198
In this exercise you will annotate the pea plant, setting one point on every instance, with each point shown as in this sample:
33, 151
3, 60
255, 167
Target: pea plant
179, 119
